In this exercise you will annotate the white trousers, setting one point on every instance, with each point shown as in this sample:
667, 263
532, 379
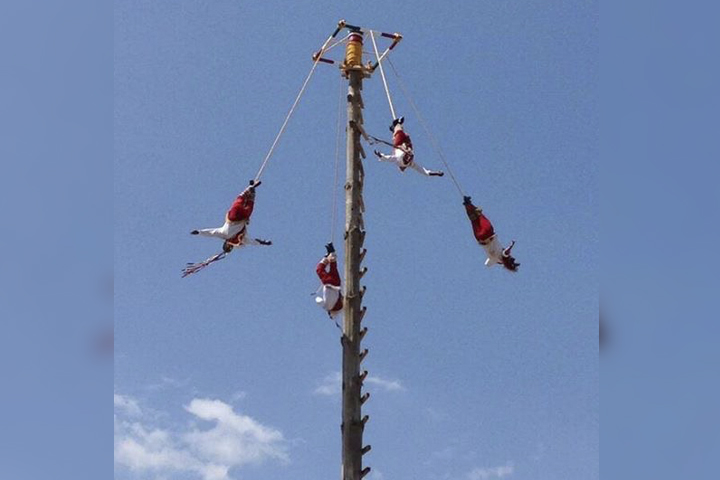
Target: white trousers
397, 158
226, 232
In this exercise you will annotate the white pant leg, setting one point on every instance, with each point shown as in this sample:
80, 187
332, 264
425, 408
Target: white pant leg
397, 158
213, 232
387, 158
419, 168
223, 232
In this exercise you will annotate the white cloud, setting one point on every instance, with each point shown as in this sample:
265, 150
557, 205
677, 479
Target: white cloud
376, 475
331, 385
234, 441
168, 383
493, 472
239, 395
140, 449
389, 385
128, 404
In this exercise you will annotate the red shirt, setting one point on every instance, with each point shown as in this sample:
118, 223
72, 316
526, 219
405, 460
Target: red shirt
331, 277
401, 138
482, 228
241, 208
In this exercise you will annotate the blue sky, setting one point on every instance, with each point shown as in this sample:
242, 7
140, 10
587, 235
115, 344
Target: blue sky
476, 373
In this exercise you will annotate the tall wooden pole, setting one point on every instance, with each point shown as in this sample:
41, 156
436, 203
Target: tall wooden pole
352, 397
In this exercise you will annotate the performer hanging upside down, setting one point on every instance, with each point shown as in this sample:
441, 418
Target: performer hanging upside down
234, 230
329, 295
486, 237
403, 155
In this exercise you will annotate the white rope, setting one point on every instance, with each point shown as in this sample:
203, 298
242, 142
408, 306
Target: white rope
337, 43
433, 141
382, 74
337, 162
292, 110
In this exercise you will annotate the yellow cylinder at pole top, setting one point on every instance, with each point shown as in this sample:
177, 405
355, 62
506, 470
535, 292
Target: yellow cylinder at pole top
353, 52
